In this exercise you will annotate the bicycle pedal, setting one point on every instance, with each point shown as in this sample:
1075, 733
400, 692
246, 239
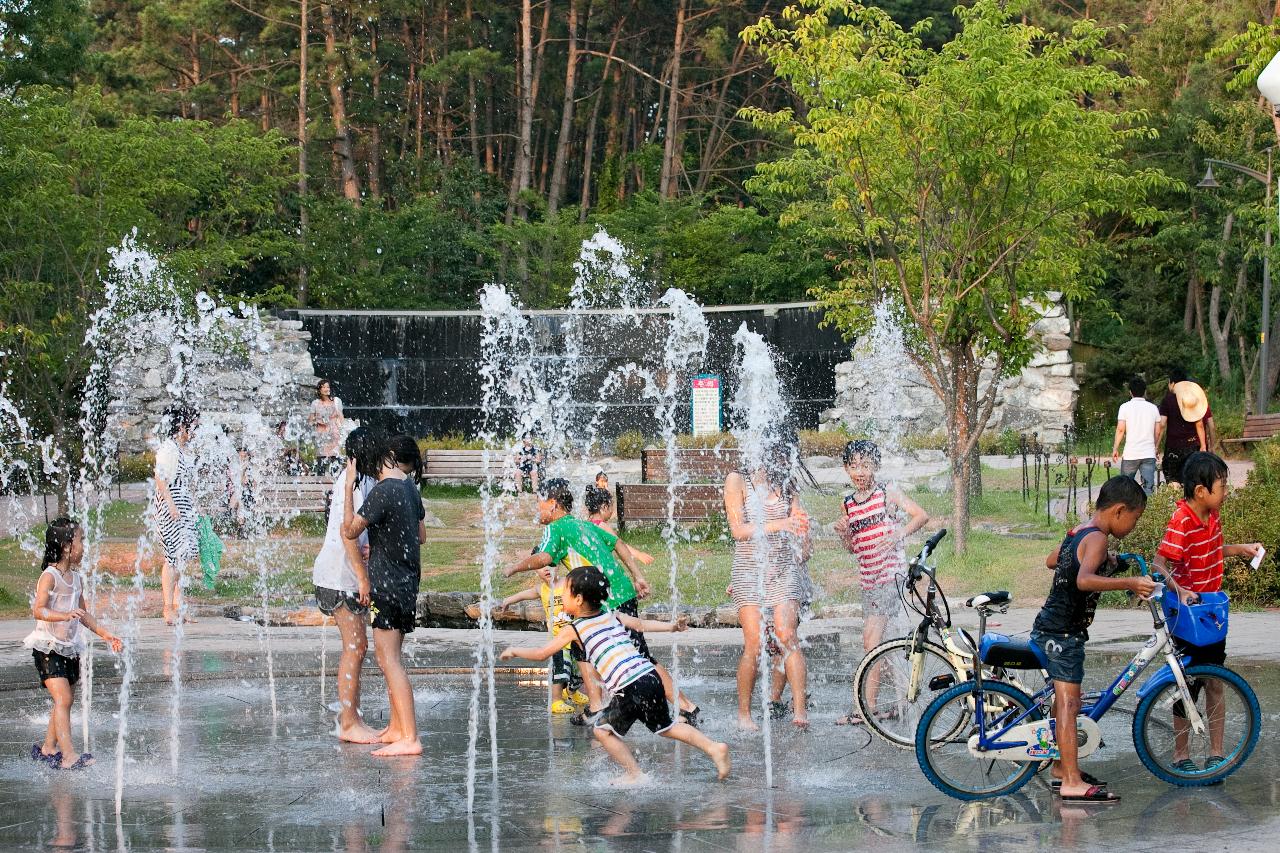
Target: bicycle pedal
942, 682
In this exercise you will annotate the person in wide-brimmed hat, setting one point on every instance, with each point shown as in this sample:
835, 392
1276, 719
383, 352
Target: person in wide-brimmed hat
1187, 420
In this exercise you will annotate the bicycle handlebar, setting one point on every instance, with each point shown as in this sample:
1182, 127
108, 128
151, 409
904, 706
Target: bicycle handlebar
1137, 558
932, 541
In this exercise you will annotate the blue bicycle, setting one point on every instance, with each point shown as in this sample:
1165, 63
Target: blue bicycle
1193, 726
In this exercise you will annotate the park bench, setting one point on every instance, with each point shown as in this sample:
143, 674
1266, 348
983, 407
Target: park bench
295, 493
459, 465
1257, 428
700, 465
646, 503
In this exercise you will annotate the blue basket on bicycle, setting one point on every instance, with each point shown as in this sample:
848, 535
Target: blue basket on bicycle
1200, 624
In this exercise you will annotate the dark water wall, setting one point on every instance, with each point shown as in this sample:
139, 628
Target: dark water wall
418, 372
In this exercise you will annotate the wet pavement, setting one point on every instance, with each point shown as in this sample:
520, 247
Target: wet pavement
248, 779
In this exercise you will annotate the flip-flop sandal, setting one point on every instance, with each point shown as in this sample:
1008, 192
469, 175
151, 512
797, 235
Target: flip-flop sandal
853, 718
1088, 778
1095, 794
778, 710
85, 759
691, 717
886, 716
37, 754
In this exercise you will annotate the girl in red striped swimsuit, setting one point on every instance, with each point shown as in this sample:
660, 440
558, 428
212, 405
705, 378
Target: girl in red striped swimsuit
871, 533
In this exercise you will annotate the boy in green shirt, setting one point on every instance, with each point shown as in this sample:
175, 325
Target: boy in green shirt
569, 542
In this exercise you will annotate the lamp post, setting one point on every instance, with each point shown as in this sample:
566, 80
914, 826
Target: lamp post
1208, 182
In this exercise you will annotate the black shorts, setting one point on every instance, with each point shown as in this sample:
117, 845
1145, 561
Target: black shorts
54, 665
1171, 464
631, 608
1213, 653
643, 700
330, 600
390, 614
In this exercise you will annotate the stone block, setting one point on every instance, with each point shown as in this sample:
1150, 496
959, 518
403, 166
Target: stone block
1057, 342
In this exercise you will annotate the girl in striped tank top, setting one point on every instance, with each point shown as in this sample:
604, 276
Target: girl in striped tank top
870, 532
605, 638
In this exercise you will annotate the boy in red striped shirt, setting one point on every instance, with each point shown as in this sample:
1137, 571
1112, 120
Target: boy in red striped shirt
1191, 558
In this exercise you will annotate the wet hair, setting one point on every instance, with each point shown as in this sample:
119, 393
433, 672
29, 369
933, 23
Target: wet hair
596, 499
1138, 386
1202, 469
780, 459
321, 384
58, 537
590, 583
558, 490
406, 451
863, 448
179, 417
1123, 490
369, 451
1177, 374
600, 474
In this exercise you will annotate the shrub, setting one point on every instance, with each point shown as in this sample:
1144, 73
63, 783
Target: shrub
630, 443
1266, 463
452, 441
708, 440
136, 468
1249, 514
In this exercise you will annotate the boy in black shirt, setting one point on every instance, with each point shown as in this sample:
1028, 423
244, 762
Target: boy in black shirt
1081, 567
392, 514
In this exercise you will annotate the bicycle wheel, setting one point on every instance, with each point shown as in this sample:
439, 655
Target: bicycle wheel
888, 672
1164, 740
942, 742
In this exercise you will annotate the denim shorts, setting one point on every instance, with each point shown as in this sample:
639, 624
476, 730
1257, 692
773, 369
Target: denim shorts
1064, 653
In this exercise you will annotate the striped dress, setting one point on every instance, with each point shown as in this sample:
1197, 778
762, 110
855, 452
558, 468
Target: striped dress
608, 647
869, 522
780, 562
177, 535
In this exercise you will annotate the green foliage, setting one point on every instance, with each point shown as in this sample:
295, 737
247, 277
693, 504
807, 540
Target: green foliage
135, 468
629, 444
1266, 463
43, 42
451, 441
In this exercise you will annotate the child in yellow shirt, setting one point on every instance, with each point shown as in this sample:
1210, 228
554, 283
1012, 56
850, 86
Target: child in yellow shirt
564, 673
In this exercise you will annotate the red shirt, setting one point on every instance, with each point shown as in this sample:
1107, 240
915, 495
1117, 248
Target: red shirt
1194, 549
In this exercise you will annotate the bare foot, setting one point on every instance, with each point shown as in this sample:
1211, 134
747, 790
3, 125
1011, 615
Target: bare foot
74, 763
168, 618
189, 619
407, 746
389, 736
359, 733
801, 723
720, 755
629, 780
747, 724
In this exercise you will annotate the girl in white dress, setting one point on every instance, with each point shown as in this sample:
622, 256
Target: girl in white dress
58, 641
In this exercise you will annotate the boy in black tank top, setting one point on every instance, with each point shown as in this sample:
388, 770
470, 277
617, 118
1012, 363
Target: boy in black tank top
1082, 567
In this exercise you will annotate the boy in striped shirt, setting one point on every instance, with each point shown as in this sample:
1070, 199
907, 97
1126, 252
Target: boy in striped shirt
602, 636
1191, 558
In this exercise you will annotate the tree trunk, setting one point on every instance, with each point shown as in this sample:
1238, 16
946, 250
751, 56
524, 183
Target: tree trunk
559, 172
348, 178
667, 182
264, 107
473, 112
524, 143
302, 155
718, 127
375, 132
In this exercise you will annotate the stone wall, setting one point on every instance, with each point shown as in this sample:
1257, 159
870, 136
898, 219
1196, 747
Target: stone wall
232, 381
1041, 398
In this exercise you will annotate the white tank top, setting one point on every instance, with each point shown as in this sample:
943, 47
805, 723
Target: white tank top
64, 638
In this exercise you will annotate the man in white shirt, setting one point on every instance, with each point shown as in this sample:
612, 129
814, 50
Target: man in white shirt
1139, 426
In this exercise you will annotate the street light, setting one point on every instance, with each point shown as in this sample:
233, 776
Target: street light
1209, 182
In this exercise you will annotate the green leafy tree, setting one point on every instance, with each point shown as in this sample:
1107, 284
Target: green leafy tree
972, 176
43, 42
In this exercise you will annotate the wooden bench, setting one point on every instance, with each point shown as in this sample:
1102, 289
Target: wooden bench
306, 494
1257, 428
701, 465
460, 465
646, 503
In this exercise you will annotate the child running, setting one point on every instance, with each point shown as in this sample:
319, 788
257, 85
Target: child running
1191, 556
571, 543
57, 641
564, 674
604, 636
599, 504
870, 532
392, 513
1082, 571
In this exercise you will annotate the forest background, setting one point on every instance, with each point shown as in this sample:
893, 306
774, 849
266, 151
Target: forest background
399, 155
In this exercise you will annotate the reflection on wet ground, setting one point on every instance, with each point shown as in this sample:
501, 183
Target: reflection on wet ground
251, 781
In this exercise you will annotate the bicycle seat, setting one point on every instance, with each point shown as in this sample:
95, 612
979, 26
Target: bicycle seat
989, 599
1010, 653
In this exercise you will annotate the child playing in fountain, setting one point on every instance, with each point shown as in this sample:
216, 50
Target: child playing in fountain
604, 637
392, 513
57, 641
599, 505
1082, 571
871, 533
571, 542
1191, 556
564, 672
